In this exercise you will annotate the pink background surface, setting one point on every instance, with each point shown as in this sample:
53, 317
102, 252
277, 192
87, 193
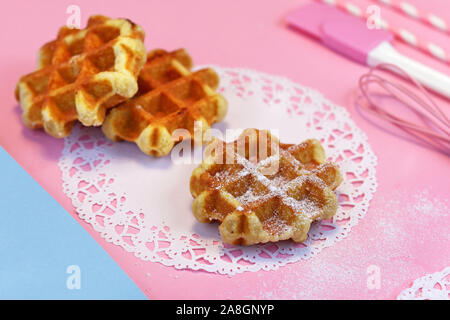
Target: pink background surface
406, 231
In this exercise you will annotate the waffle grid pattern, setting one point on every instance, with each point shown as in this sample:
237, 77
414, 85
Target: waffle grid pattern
264, 199
81, 74
170, 97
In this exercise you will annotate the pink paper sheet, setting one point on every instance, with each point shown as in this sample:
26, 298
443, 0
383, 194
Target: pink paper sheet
406, 231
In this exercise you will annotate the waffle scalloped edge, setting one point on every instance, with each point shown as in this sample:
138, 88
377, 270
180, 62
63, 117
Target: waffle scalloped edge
170, 98
255, 207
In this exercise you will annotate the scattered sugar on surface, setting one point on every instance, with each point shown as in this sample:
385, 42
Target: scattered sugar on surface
425, 204
386, 245
419, 208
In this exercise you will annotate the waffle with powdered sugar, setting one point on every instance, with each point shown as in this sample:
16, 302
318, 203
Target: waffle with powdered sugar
267, 196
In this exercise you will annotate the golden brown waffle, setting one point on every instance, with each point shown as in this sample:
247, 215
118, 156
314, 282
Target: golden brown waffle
261, 197
170, 97
81, 74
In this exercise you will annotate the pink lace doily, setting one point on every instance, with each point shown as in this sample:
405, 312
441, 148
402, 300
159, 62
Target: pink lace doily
435, 286
143, 204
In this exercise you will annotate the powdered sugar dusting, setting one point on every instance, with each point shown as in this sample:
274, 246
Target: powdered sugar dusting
275, 186
426, 205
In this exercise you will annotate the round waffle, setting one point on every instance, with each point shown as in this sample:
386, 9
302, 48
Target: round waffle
170, 97
264, 196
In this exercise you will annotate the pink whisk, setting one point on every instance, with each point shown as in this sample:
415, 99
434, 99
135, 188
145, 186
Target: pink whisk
435, 130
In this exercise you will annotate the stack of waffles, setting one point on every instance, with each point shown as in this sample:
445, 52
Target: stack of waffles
101, 75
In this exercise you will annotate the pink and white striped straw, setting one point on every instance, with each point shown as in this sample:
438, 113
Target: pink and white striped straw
412, 11
401, 34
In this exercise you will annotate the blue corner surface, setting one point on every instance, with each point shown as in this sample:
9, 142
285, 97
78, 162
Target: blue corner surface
44, 252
